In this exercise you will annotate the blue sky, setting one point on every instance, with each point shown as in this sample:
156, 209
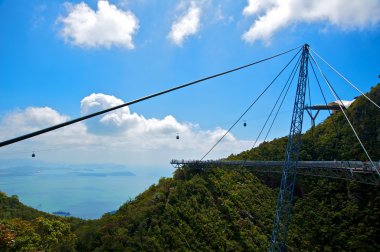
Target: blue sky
54, 55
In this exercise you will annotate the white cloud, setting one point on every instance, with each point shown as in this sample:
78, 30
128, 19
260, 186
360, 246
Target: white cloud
120, 136
105, 27
123, 121
31, 119
186, 25
345, 103
274, 15
114, 120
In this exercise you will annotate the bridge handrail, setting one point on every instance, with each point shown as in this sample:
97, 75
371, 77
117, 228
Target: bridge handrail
345, 164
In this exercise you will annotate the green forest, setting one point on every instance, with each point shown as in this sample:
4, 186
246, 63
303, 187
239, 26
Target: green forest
225, 208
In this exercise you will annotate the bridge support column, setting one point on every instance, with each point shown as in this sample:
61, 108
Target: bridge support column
285, 196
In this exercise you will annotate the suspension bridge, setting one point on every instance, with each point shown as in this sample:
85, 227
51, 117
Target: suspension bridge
358, 171
367, 172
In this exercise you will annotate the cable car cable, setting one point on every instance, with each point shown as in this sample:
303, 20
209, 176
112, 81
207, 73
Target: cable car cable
61, 125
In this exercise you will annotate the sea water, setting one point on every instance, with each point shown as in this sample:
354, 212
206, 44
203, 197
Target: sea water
86, 191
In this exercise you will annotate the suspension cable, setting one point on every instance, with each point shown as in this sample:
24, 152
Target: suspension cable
319, 85
275, 105
283, 99
325, 101
61, 125
344, 113
344, 78
308, 88
250, 106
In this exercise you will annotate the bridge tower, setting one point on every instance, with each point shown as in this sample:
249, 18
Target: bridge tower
285, 196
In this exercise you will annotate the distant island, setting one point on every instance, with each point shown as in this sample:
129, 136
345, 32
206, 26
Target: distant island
105, 174
62, 213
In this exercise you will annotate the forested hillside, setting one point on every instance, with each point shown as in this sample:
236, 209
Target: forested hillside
333, 139
331, 215
230, 209
23, 228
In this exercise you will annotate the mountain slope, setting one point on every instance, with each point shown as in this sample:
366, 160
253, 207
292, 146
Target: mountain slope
334, 215
11, 207
23, 228
232, 209
195, 211
333, 139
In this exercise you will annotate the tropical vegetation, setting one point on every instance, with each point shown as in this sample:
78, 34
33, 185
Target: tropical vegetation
226, 208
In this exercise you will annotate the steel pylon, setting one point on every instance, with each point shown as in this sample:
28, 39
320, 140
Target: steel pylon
288, 180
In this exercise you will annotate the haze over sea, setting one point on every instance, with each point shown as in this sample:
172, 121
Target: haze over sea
85, 190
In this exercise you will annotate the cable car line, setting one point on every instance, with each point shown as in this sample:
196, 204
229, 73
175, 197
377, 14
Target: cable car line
61, 125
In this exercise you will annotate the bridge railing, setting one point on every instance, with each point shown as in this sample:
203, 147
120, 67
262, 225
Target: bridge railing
362, 172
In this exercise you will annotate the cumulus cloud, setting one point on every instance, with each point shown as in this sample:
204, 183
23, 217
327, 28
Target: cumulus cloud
111, 122
274, 15
186, 25
104, 27
118, 136
122, 120
31, 119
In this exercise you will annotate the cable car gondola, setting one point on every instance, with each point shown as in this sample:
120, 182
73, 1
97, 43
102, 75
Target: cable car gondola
245, 124
177, 137
33, 155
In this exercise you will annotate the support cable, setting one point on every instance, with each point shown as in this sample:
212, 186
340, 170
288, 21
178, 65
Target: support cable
345, 115
61, 125
325, 100
320, 88
287, 84
311, 115
310, 104
250, 106
308, 88
344, 78
283, 99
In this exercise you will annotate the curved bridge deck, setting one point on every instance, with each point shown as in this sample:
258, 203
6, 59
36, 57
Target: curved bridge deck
362, 172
